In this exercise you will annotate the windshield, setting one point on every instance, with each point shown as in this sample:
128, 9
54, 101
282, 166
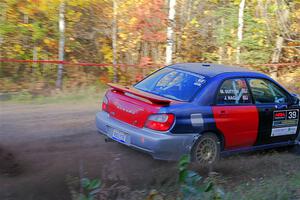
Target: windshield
172, 83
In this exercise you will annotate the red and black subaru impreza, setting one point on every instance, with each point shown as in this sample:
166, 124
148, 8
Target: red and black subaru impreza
200, 109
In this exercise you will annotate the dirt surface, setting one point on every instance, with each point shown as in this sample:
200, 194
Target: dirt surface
42, 145
8, 164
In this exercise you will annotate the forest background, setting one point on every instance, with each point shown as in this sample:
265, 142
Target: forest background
134, 37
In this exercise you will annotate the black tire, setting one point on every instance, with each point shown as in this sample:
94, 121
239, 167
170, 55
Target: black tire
206, 150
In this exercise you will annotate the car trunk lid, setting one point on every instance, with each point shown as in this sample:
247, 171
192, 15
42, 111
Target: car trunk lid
133, 106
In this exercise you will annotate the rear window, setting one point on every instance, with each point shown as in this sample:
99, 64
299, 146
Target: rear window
172, 83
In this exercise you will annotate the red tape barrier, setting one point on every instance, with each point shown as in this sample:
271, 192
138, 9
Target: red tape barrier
127, 65
274, 64
71, 63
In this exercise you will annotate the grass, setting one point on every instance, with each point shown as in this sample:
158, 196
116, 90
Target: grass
87, 94
275, 188
296, 180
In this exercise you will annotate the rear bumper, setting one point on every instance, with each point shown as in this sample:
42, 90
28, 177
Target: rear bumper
163, 146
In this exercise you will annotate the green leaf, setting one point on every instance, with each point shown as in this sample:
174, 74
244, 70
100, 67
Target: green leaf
94, 184
182, 176
85, 182
209, 187
183, 162
192, 177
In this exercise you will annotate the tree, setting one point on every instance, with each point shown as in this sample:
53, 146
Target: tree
170, 32
61, 44
114, 39
240, 31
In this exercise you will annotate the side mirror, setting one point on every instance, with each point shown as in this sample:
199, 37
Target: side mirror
295, 99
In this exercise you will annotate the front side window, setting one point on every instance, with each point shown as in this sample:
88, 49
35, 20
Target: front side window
264, 91
174, 84
233, 91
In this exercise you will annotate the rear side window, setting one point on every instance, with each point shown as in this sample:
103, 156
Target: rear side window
174, 84
234, 91
267, 92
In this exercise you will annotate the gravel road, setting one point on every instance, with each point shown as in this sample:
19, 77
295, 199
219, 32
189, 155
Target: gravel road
42, 145
51, 142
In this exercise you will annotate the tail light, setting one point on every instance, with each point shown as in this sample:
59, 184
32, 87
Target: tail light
105, 104
160, 122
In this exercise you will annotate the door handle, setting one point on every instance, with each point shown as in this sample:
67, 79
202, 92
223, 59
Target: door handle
280, 107
223, 113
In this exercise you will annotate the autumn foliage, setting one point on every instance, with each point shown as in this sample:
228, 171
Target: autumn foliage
204, 31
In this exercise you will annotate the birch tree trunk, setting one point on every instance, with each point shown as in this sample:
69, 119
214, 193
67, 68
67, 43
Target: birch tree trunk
34, 58
240, 31
145, 51
283, 17
189, 9
114, 39
1, 42
3, 7
170, 32
221, 47
276, 56
61, 47
154, 52
263, 7
184, 16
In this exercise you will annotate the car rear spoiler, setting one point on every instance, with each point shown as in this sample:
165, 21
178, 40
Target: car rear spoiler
155, 99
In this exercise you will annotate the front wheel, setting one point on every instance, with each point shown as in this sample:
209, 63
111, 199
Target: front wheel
206, 150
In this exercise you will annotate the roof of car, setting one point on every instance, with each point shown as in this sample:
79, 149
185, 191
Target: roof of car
208, 69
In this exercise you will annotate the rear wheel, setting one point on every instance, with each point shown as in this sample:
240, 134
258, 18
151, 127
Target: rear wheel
206, 150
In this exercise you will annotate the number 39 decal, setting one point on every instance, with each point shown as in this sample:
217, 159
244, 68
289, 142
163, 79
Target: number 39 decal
292, 114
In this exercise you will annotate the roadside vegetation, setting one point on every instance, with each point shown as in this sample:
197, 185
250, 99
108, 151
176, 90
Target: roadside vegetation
190, 185
85, 94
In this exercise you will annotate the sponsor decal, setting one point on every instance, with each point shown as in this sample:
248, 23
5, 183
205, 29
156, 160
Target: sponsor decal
237, 92
200, 81
284, 131
197, 119
285, 122
245, 98
280, 115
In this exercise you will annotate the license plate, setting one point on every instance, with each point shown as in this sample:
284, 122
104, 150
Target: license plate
119, 135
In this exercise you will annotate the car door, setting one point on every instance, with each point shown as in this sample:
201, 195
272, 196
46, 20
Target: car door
278, 117
235, 115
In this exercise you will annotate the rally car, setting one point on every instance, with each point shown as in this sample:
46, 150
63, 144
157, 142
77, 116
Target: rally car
204, 110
